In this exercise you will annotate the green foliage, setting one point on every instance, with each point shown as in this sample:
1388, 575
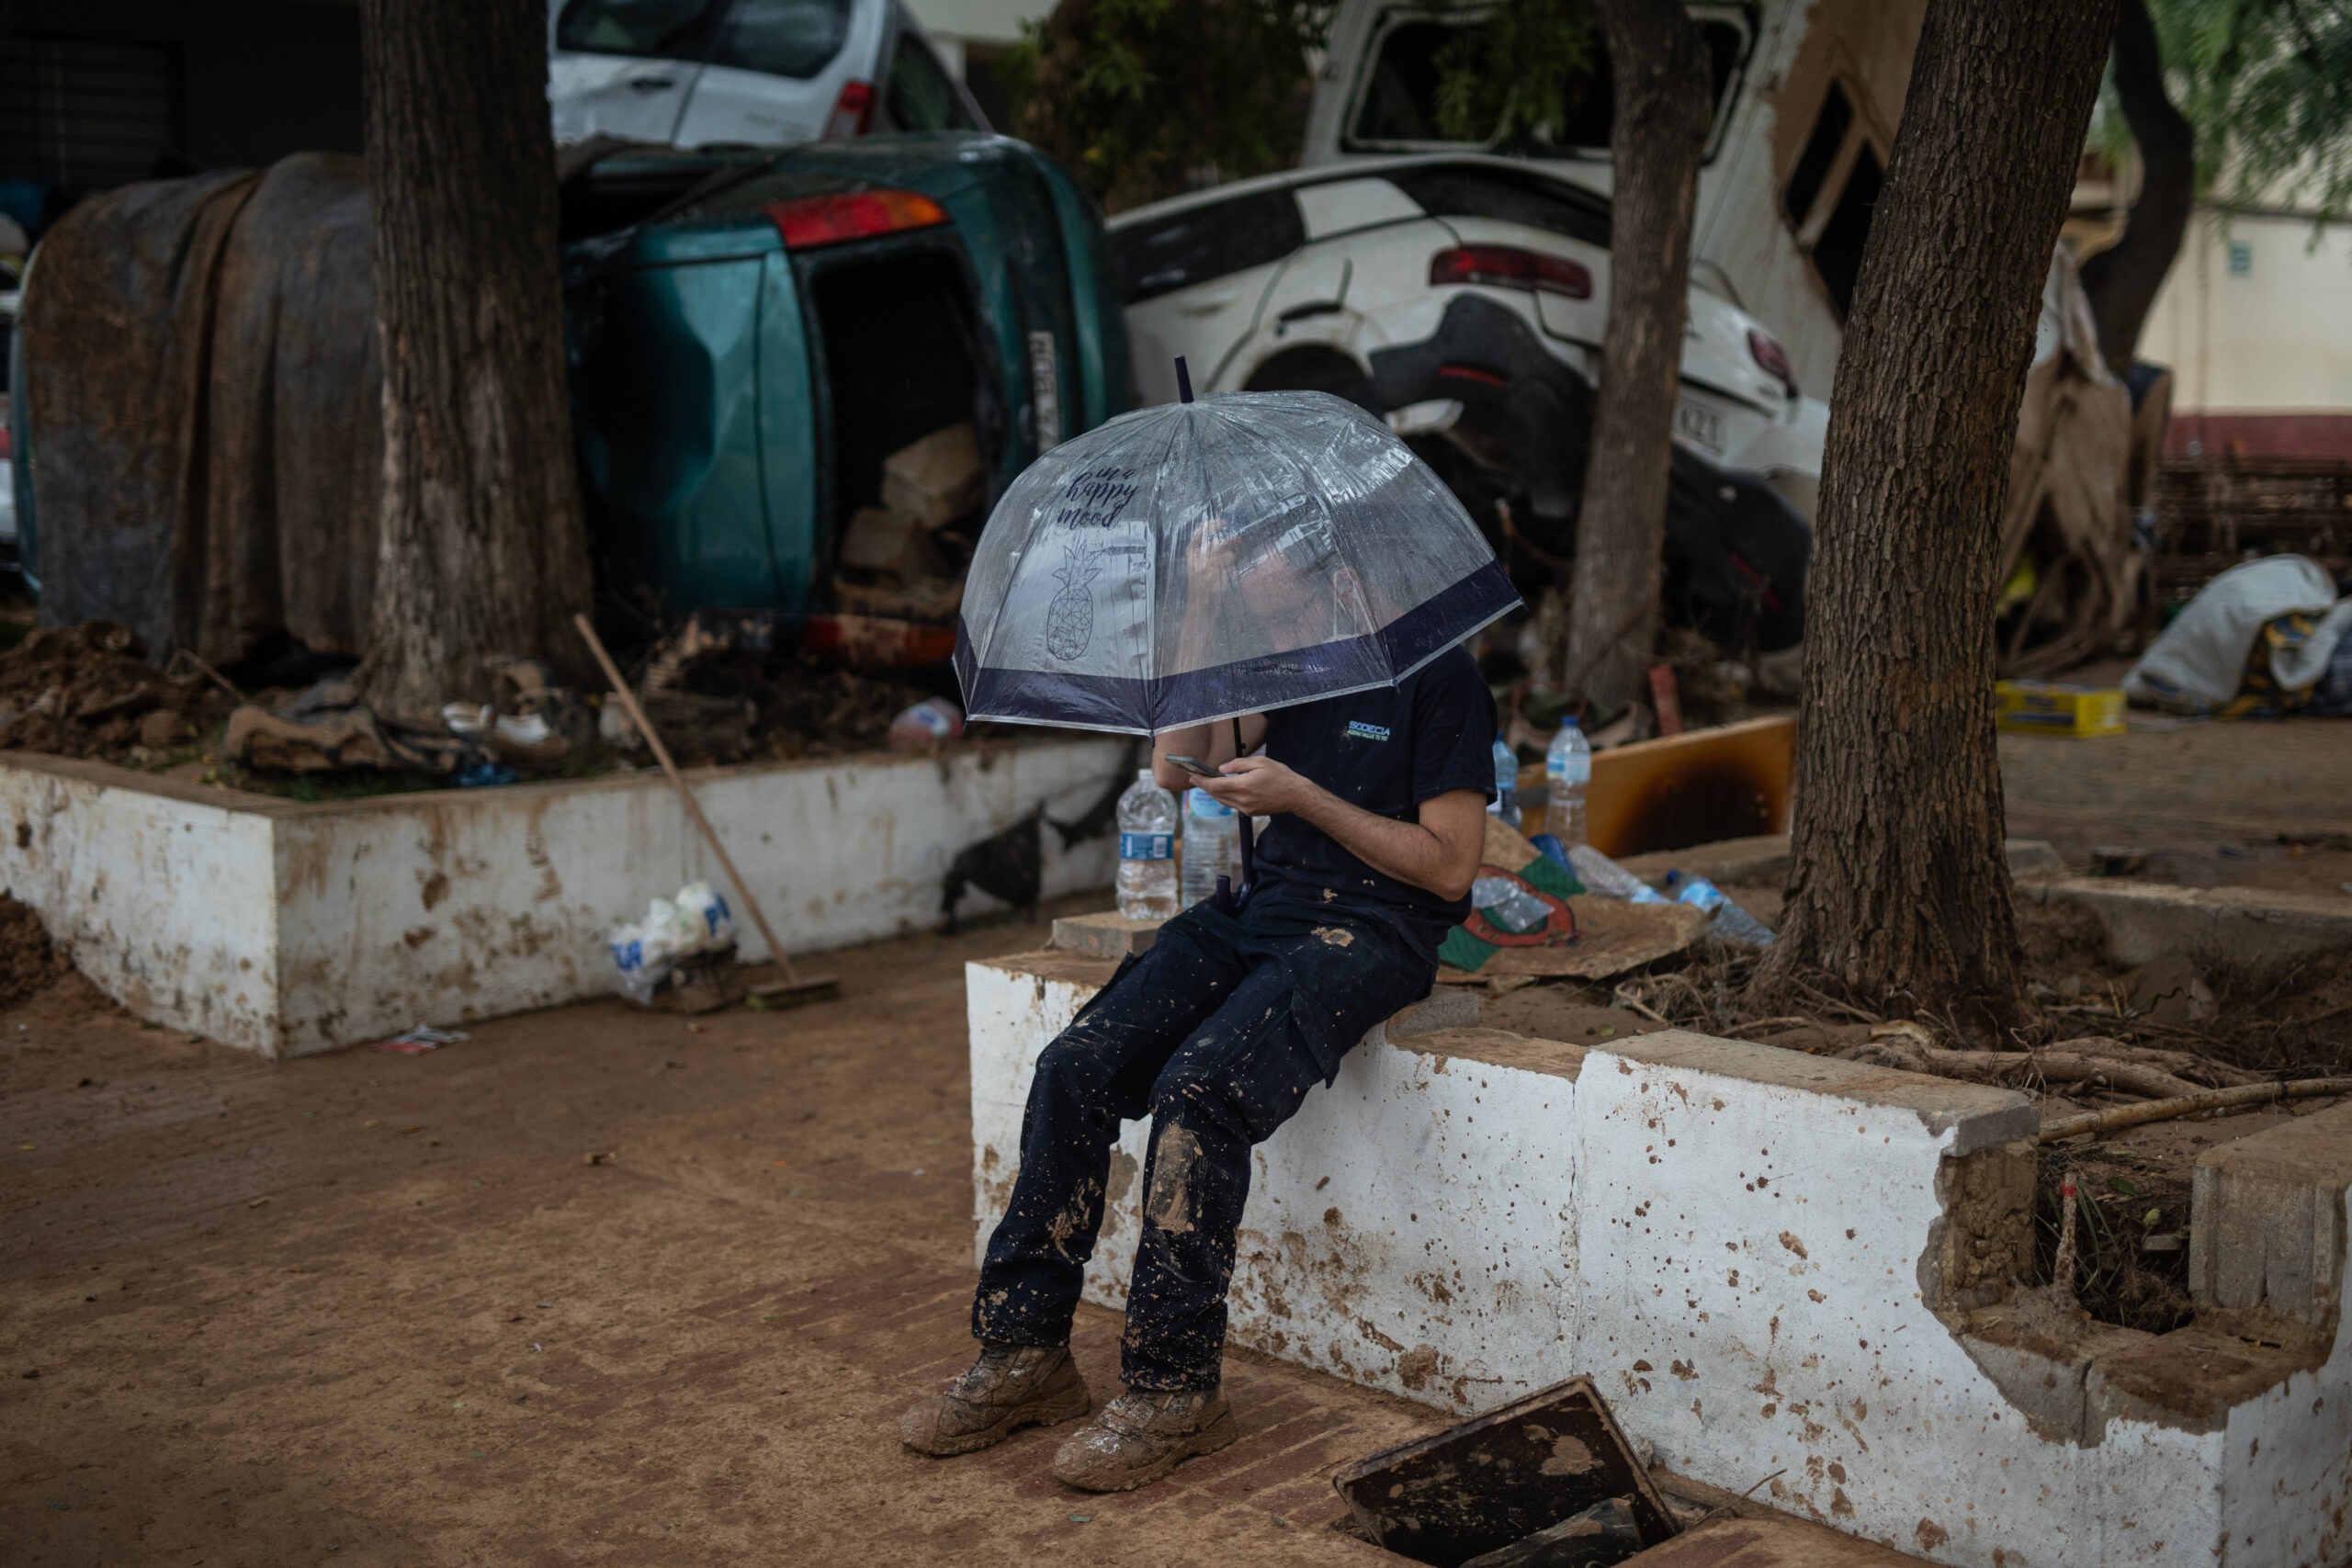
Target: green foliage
1147, 98
2268, 86
1509, 76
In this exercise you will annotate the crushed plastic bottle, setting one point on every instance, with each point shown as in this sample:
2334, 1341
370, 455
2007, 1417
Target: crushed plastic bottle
1212, 845
1605, 876
1567, 772
1506, 802
1731, 923
1507, 904
1147, 889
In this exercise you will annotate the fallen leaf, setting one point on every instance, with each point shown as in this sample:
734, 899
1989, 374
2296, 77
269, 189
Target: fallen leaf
258, 1202
603, 1158
2118, 1184
2152, 1216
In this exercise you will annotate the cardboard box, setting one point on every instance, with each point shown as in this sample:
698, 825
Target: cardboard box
2058, 707
882, 540
938, 479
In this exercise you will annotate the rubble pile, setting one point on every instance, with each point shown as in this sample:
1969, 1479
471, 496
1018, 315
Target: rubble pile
87, 692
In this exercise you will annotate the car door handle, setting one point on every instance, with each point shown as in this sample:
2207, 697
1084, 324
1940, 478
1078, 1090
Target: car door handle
1209, 303
650, 83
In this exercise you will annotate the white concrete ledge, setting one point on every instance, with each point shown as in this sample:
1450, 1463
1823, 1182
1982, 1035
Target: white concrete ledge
2260, 931
1785, 1272
288, 927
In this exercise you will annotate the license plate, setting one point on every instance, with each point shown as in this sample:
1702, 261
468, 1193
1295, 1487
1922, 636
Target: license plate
1696, 422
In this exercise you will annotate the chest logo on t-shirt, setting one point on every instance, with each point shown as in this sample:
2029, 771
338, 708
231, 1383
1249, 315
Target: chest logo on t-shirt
1358, 730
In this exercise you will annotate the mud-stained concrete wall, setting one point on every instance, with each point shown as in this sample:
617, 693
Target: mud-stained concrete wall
1776, 1266
288, 927
163, 898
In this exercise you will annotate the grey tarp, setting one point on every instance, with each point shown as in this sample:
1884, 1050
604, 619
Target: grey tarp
204, 397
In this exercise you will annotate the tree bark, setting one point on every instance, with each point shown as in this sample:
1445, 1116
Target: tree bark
1664, 109
2122, 280
1898, 885
482, 547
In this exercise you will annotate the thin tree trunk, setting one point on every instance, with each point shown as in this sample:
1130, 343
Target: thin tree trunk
2122, 280
1664, 109
483, 550
1898, 883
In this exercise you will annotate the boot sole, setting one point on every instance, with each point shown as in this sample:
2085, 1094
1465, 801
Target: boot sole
1042, 1413
1218, 1433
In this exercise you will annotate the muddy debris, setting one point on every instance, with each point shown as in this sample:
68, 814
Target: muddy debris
29, 962
87, 692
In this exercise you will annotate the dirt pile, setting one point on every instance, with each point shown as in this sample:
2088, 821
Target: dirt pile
28, 962
86, 690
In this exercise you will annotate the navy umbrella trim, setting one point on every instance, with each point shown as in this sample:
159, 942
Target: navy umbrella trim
1133, 706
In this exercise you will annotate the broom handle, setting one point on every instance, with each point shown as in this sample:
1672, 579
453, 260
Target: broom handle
677, 781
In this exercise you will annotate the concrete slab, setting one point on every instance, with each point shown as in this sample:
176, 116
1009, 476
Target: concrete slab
2261, 932
2269, 1234
1466, 1215
286, 928
1775, 1542
1765, 859
1107, 934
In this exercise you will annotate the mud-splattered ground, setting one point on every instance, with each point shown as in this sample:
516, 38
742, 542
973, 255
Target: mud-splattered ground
367, 1308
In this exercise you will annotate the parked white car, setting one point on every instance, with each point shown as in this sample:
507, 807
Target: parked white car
694, 72
1460, 295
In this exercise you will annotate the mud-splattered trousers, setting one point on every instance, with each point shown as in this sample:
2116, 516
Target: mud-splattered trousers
1217, 1032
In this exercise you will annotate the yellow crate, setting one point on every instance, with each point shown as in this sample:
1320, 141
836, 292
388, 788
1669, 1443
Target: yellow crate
2055, 708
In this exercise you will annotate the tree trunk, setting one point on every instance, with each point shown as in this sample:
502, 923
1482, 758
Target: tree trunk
1898, 885
482, 548
2122, 280
1664, 109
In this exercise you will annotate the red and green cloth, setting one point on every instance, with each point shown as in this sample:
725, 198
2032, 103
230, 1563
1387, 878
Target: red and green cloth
1470, 944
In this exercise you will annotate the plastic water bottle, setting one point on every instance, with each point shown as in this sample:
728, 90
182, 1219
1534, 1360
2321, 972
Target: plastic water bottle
1731, 923
1502, 900
1567, 768
1506, 802
1605, 876
1147, 851
1212, 845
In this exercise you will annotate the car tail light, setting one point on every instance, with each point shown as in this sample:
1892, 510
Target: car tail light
812, 220
3, 443
1773, 357
1505, 266
852, 111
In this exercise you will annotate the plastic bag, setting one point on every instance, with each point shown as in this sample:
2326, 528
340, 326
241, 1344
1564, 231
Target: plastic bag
705, 913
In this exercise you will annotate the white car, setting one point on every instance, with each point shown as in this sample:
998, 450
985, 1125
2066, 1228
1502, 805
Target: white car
1464, 297
697, 73
1461, 294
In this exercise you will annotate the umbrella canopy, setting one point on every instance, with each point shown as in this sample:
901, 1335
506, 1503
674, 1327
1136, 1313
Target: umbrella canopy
1195, 560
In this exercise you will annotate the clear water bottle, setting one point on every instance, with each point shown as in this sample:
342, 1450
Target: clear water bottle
1147, 851
1506, 802
1568, 770
1212, 845
1731, 923
1502, 900
1605, 876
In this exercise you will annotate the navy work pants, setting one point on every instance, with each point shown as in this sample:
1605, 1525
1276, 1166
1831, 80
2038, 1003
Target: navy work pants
1216, 1032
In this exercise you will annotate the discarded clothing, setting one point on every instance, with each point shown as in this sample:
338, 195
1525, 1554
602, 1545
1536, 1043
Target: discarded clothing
2269, 617
1217, 1032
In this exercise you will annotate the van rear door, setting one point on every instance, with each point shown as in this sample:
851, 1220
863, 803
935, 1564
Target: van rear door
789, 70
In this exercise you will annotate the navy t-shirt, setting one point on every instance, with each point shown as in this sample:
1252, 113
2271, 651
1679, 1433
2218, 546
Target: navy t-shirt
1387, 750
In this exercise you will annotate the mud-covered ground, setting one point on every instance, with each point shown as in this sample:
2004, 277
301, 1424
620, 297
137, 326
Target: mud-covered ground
368, 1308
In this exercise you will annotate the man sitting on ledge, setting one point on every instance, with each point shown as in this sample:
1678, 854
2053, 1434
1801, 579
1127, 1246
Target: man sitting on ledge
1217, 1032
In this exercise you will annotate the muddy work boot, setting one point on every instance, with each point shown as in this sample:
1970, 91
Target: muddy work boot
1008, 1387
1141, 1436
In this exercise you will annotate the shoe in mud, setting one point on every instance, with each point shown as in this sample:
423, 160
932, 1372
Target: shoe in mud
1141, 1436
1008, 1387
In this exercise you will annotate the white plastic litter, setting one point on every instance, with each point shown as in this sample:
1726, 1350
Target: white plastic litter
645, 952
2197, 665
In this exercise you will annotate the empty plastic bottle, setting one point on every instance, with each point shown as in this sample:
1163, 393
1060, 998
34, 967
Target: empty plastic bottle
1508, 905
1567, 772
1605, 876
1506, 802
1731, 923
1212, 845
1147, 851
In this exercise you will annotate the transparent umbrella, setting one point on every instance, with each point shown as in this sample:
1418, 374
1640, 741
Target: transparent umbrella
1200, 560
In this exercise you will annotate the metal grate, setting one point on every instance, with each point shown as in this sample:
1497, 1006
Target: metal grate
85, 113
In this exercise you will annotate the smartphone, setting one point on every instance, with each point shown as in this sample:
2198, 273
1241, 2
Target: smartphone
1193, 766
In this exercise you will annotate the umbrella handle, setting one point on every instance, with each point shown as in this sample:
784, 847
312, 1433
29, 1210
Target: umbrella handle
1249, 839
1184, 382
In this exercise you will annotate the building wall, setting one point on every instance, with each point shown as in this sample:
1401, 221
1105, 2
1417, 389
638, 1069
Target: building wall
2256, 321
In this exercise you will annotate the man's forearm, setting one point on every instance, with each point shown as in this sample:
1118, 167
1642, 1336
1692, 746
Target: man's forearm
1406, 850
